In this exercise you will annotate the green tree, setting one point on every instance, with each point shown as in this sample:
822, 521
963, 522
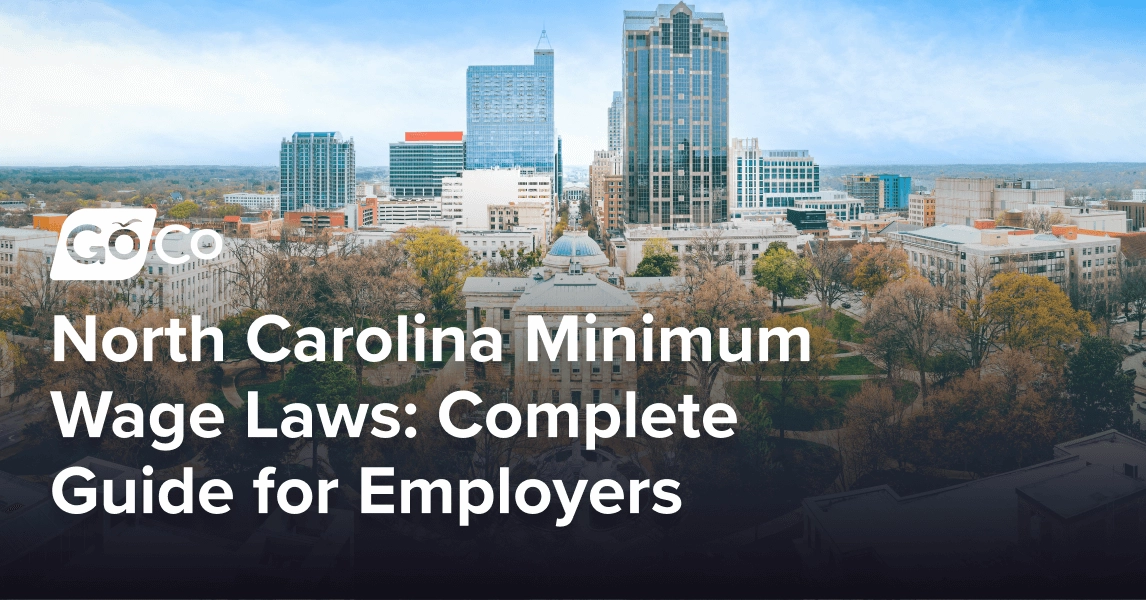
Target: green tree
183, 210
782, 272
1099, 391
441, 264
320, 382
657, 265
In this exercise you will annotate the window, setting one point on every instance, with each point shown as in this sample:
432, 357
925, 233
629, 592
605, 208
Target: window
596, 396
555, 395
575, 397
596, 367
505, 313
505, 340
576, 367
616, 368
555, 367
616, 396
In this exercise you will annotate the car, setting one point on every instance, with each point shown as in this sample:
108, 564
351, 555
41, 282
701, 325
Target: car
846, 304
1128, 349
1131, 372
1118, 320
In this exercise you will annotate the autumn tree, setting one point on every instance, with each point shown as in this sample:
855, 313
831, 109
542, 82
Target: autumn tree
441, 264
912, 314
782, 272
829, 272
514, 262
1100, 392
1008, 417
979, 330
1035, 315
876, 265
873, 431
183, 210
709, 299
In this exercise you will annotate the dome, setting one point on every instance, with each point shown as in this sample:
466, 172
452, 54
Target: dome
578, 247
575, 244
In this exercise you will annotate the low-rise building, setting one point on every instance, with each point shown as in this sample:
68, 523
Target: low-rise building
921, 209
745, 241
1081, 513
523, 216
252, 202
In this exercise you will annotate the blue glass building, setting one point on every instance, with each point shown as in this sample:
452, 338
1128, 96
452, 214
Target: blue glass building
509, 115
676, 116
896, 189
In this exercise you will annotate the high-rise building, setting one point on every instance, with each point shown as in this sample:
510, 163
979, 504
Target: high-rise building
676, 116
467, 197
868, 188
509, 114
617, 122
896, 189
771, 178
964, 200
418, 164
879, 192
316, 169
558, 174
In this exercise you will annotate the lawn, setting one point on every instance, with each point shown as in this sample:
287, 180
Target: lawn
854, 365
841, 326
825, 414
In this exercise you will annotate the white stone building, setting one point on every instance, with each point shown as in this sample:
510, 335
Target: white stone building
466, 199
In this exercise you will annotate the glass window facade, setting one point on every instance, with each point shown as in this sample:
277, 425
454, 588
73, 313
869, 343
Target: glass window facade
316, 169
417, 168
676, 116
509, 115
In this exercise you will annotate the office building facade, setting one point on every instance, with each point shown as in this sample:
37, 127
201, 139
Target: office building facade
676, 116
617, 123
772, 178
316, 169
558, 173
509, 115
418, 164
896, 192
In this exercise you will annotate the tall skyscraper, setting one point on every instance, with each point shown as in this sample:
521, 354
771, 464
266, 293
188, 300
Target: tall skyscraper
896, 190
617, 122
558, 176
676, 116
418, 164
879, 192
509, 114
316, 169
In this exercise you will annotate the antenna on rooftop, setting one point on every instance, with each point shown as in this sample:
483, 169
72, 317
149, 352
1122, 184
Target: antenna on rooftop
543, 38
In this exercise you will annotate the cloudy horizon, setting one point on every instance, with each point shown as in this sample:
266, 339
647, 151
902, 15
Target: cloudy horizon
147, 83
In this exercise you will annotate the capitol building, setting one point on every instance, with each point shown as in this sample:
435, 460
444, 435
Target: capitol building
575, 279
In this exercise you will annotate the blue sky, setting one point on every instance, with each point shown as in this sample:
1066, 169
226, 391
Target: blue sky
128, 83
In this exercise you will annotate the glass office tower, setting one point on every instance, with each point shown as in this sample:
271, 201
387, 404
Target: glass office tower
676, 116
316, 169
418, 164
509, 115
616, 122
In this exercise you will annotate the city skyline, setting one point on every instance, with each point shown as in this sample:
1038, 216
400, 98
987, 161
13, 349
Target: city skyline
138, 83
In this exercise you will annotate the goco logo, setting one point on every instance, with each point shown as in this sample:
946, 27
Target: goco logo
116, 241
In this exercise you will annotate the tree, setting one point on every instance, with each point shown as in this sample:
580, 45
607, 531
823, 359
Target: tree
441, 264
710, 299
513, 262
979, 330
876, 265
1035, 315
792, 386
829, 272
183, 210
657, 265
873, 431
912, 314
1007, 417
782, 272
1134, 296
1042, 219
657, 246
1099, 391
710, 250
317, 383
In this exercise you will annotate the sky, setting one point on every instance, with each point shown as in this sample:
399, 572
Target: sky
903, 82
